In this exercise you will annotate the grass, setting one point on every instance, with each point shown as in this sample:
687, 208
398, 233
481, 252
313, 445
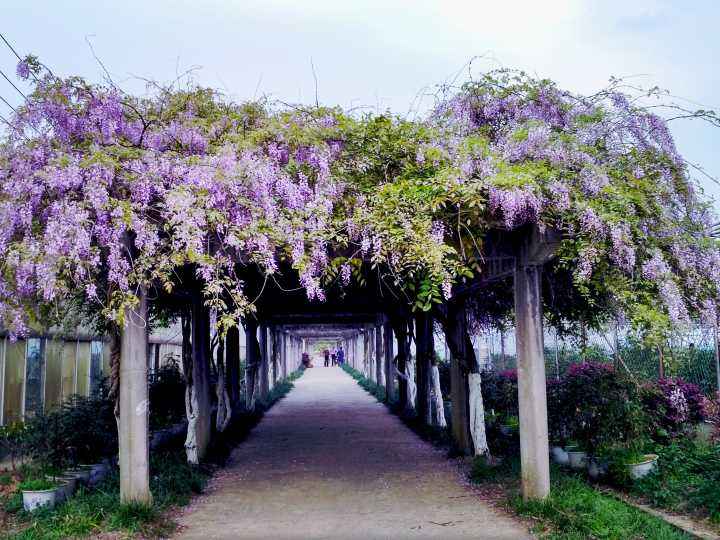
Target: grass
686, 480
574, 510
173, 483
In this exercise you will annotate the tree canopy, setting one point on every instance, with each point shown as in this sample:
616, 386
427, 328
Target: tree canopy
102, 193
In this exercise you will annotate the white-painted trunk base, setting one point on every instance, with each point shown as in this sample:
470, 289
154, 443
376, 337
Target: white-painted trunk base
437, 398
477, 414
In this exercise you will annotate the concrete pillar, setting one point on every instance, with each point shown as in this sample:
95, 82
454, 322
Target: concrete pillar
388, 363
379, 364
134, 405
423, 357
274, 356
264, 363
532, 397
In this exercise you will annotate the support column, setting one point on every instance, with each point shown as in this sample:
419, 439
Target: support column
275, 353
285, 355
264, 363
388, 363
424, 351
532, 397
379, 364
134, 405
252, 362
232, 348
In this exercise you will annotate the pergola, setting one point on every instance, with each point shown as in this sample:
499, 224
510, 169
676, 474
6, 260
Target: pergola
285, 319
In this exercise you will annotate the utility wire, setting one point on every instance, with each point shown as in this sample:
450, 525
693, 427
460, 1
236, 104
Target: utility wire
16, 54
6, 102
10, 46
13, 84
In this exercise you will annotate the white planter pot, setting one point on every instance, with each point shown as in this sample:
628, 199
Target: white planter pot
81, 474
643, 468
507, 430
32, 500
559, 455
577, 459
597, 468
98, 472
67, 486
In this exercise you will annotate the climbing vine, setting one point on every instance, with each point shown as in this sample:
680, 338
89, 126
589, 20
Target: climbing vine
102, 193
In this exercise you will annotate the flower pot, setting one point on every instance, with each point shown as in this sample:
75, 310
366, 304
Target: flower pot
98, 472
559, 455
644, 467
577, 459
32, 500
68, 483
597, 468
705, 430
82, 474
506, 430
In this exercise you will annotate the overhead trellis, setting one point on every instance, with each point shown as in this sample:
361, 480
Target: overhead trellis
103, 194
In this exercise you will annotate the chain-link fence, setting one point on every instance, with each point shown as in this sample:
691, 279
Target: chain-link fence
690, 356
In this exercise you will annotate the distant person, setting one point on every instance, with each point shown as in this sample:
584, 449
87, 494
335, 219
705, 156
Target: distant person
333, 358
340, 355
326, 354
306, 360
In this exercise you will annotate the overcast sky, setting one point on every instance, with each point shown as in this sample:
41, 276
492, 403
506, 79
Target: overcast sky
380, 53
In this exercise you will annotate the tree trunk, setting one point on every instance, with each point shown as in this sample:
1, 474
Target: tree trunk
425, 352
468, 412
264, 382
252, 359
399, 326
437, 398
388, 363
232, 364
379, 372
197, 397
224, 409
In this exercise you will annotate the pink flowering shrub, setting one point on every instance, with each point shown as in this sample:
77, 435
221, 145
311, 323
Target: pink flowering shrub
674, 405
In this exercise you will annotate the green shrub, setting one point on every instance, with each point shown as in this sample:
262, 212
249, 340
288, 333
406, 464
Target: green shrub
37, 484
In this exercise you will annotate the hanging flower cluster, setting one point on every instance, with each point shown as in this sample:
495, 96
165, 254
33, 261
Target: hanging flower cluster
102, 193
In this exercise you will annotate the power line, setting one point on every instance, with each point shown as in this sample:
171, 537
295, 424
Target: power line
13, 84
8, 103
10, 46
15, 53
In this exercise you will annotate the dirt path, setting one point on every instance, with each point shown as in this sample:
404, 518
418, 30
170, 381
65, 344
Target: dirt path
328, 461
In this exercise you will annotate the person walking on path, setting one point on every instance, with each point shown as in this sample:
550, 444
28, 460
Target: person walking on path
340, 356
326, 354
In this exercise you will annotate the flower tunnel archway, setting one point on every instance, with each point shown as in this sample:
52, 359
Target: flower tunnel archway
128, 209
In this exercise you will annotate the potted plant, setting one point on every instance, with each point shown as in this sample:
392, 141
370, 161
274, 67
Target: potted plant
560, 455
38, 493
640, 465
577, 457
510, 426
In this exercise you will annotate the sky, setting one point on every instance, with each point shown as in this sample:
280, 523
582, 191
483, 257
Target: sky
381, 54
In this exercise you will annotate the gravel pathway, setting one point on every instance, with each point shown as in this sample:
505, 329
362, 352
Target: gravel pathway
330, 462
